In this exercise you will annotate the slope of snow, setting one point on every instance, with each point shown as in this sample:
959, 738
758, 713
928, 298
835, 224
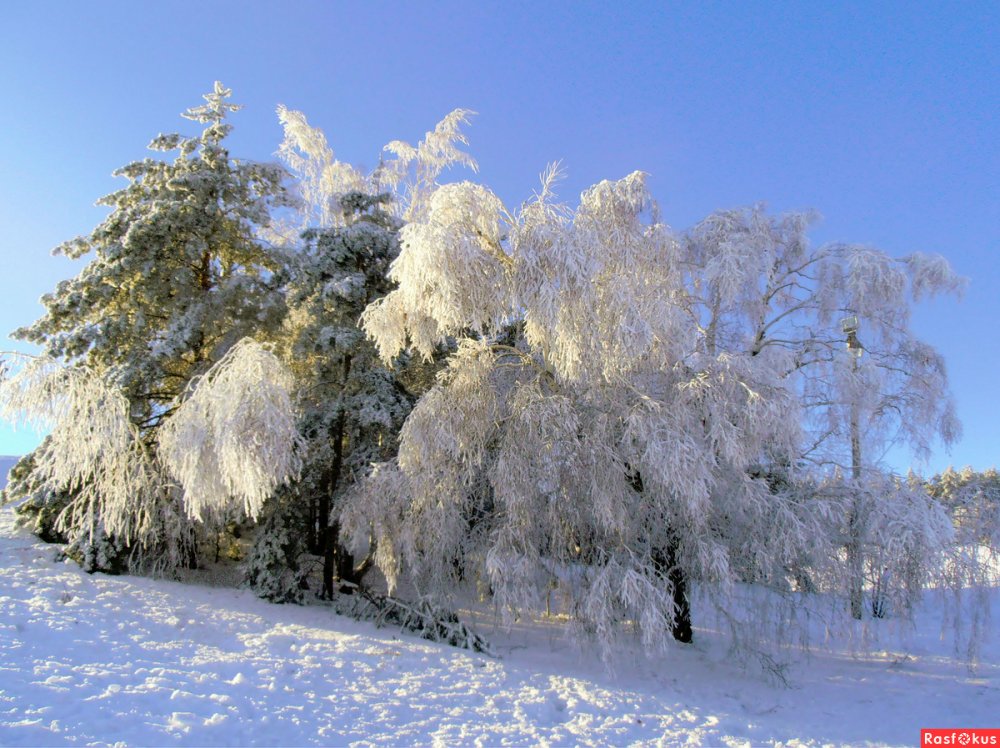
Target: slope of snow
104, 660
6, 463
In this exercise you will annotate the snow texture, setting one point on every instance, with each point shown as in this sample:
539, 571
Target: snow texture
93, 660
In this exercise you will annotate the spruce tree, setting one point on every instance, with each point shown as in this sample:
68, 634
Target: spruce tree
337, 247
176, 274
352, 406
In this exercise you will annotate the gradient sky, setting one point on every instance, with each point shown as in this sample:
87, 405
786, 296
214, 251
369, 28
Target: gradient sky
883, 117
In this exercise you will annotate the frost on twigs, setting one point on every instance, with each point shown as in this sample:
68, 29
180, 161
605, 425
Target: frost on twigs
93, 452
629, 413
584, 437
323, 181
423, 619
234, 438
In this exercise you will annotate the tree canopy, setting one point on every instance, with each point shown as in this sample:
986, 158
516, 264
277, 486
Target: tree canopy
580, 401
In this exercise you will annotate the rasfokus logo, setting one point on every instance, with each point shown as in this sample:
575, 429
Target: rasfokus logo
959, 736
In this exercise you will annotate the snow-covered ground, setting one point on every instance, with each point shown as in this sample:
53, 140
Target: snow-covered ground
103, 660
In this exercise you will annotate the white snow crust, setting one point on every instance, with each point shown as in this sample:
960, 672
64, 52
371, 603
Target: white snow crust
99, 660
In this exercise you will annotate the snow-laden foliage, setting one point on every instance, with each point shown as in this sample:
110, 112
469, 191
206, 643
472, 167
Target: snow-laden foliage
348, 221
423, 619
175, 276
414, 171
351, 406
235, 436
624, 412
763, 288
833, 321
904, 535
621, 413
584, 435
973, 500
94, 453
276, 566
322, 180
972, 566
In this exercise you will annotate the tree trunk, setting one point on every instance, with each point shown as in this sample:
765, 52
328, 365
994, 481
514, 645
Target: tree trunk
855, 562
665, 560
665, 563
336, 559
314, 541
329, 565
344, 563
855, 559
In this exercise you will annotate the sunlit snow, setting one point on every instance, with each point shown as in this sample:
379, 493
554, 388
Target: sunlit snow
94, 659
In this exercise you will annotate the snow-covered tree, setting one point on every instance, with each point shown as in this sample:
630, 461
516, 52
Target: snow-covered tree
972, 568
175, 274
629, 411
834, 320
338, 245
111, 487
973, 501
233, 436
352, 405
409, 176
586, 434
175, 277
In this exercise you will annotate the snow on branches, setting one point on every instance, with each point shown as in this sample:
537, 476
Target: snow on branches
235, 436
93, 451
628, 410
583, 434
410, 177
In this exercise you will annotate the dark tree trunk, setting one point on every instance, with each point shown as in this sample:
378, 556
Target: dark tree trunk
344, 562
336, 559
322, 509
314, 540
329, 572
665, 562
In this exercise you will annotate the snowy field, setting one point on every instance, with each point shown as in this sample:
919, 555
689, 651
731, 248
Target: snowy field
95, 660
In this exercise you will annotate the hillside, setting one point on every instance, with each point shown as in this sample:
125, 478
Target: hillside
99, 659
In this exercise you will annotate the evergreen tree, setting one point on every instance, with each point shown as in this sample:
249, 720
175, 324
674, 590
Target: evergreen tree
352, 406
175, 275
338, 246
972, 498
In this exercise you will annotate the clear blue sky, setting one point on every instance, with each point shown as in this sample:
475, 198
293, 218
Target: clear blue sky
882, 116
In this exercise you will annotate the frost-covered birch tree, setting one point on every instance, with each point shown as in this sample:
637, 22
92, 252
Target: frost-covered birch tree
586, 435
630, 411
835, 320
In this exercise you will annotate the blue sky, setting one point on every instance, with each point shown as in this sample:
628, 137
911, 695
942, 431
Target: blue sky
883, 117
